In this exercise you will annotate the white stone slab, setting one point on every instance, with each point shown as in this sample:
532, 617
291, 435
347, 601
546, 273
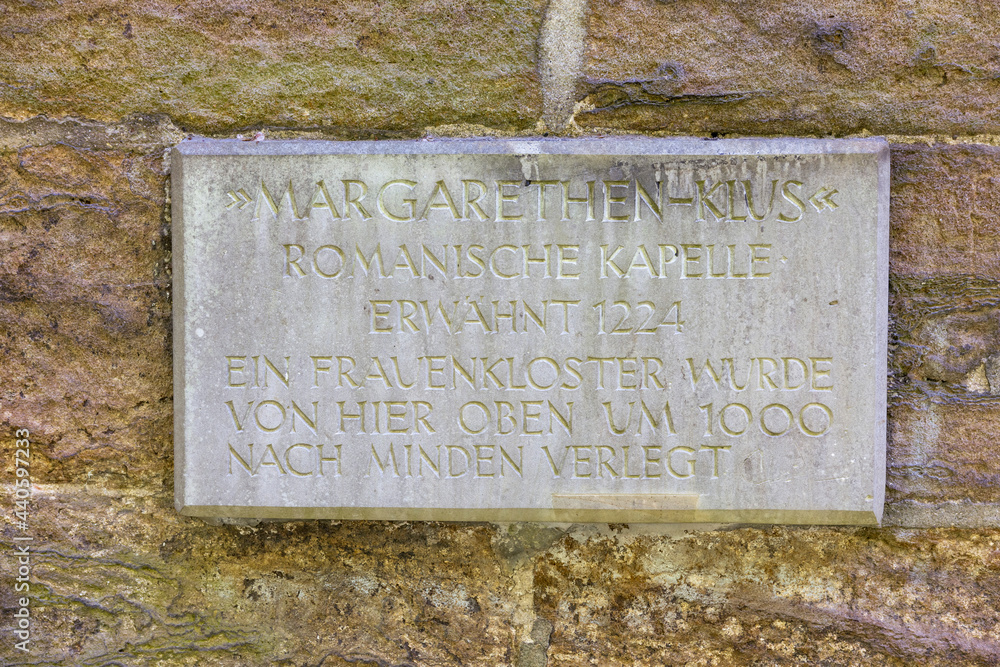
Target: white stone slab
626, 330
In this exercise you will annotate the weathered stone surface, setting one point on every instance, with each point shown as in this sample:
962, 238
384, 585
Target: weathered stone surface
146, 586
351, 67
84, 311
781, 67
147, 134
121, 578
944, 399
945, 211
945, 321
773, 596
309, 384
939, 453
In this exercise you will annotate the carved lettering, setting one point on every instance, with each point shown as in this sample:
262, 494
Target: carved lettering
542, 331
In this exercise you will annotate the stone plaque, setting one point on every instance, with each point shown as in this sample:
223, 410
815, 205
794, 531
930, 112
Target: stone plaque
628, 330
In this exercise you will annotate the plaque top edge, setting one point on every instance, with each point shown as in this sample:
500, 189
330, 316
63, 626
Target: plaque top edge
628, 145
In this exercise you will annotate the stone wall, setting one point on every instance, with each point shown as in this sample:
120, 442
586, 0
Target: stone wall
93, 93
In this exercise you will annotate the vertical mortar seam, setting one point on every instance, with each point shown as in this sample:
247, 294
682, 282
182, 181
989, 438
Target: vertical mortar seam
561, 44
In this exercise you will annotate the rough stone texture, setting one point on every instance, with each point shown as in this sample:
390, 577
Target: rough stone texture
353, 67
121, 579
944, 309
773, 596
786, 67
945, 211
84, 311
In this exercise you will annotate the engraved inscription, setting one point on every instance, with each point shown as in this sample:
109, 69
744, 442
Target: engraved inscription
432, 333
540, 200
